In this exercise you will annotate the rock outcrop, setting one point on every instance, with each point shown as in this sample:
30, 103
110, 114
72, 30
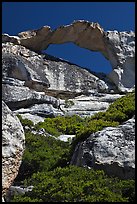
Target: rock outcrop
112, 149
117, 47
13, 145
121, 53
88, 105
35, 85
47, 73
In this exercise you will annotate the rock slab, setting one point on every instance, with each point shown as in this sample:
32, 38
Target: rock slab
112, 149
13, 145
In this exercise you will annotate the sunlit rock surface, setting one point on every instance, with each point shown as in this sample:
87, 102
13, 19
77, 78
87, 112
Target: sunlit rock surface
37, 85
13, 145
112, 149
117, 47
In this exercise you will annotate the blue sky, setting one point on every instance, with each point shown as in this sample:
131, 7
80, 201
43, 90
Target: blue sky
22, 16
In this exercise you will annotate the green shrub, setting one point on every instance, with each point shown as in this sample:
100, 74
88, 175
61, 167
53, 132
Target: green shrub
25, 122
91, 127
119, 111
46, 160
61, 125
77, 184
42, 154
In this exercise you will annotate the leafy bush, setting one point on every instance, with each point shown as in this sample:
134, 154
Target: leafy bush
25, 122
46, 160
77, 184
119, 111
39, 148
91, 127
42, 154
61, 125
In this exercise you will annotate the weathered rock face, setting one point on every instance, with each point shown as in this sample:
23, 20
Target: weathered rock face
112, 149
13, 144
121, 53
88, 105
18, 97
17, 68
117, 47
47, 73
32, 85
38, 85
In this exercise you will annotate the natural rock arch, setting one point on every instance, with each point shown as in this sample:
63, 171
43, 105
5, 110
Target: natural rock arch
117, 47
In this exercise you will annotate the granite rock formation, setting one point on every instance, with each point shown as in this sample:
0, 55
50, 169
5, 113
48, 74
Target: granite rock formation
37, 85
13, 145
88, 105
47, 73
117, 47
112, 149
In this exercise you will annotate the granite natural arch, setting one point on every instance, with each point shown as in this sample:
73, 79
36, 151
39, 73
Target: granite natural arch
117, 47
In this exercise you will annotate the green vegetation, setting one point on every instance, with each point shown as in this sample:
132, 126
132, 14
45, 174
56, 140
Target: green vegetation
68, 103
77, 184
42, 154
25, 122
46, 161
121, 110
61, 125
